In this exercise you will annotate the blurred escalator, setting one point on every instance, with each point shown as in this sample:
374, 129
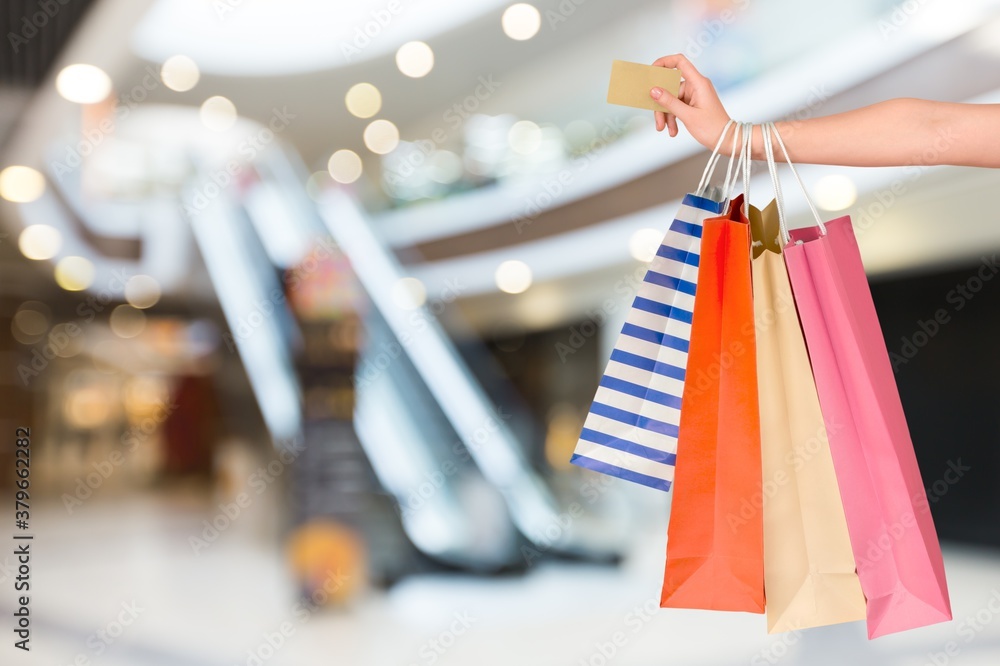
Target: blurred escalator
423, 452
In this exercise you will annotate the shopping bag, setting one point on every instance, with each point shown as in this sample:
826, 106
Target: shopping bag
809, 569
892, 533
714, 545
631, 428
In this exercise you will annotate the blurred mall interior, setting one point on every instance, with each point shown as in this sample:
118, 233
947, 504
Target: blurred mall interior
304, 304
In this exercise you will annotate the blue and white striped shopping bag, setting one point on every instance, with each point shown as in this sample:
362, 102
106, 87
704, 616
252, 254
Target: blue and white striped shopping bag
631, 429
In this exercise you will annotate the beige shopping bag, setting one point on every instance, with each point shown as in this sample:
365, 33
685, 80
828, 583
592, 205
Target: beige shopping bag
809, 569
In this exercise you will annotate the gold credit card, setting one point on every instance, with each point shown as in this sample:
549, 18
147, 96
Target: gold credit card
631, 81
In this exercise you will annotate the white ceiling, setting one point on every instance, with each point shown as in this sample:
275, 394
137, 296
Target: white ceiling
557, 77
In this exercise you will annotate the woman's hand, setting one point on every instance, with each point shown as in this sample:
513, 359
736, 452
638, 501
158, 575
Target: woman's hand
698, 105
897, 132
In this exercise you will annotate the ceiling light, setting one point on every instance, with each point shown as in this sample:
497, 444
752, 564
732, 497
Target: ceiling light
363, 100
521, 21
415, 59
218, 114
513, 276
344, 166
21, 184
142, 291
644, 243
39, 241
180, 73
74, 273
381, 137
409, 293
83, 84
835, 192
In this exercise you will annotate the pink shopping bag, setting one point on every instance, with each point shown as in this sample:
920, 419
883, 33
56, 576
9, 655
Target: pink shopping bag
888, 517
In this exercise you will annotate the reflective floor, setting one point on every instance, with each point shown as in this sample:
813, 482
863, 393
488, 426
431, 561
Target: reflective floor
118, 583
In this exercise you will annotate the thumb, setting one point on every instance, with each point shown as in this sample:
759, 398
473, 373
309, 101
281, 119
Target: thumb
670, 103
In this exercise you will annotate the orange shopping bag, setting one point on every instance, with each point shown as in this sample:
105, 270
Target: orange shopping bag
715, 536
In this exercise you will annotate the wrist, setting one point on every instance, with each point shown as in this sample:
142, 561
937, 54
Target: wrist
722, 131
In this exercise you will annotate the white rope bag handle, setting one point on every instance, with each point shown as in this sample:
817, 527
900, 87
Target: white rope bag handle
772, 169
767, 129
713, 160
744, 164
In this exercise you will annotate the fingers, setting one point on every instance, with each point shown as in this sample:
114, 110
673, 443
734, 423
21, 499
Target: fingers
680, 61
671, 118
676, 106
675, 109
671, 104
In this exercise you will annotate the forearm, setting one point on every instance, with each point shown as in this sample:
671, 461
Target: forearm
896, 132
